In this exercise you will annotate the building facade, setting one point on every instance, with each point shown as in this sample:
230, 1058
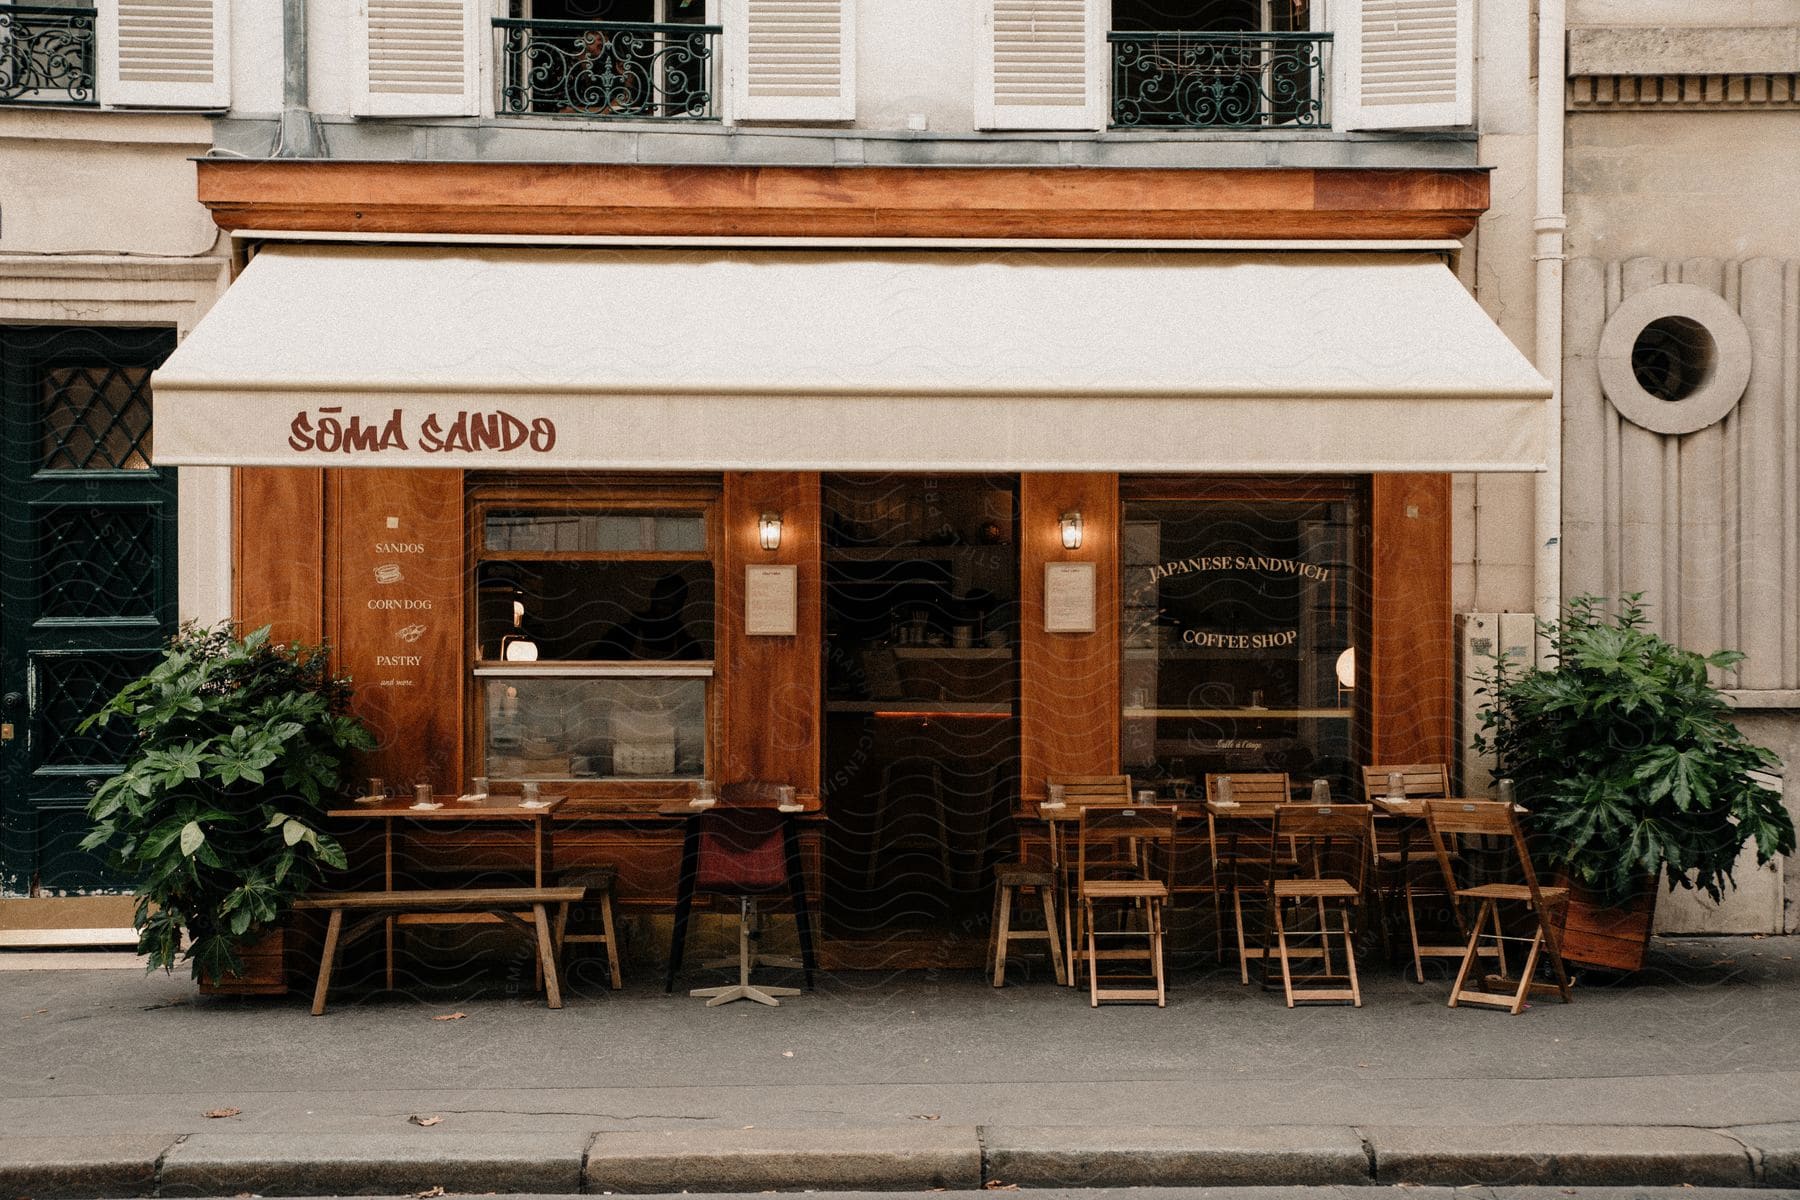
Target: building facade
906, 402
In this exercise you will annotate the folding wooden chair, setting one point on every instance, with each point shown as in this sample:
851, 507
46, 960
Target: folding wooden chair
1239, 864
1079, 791
1397, 879
1450, 819
1332, 841
1115, 858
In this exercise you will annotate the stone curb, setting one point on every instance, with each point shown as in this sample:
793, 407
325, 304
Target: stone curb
82, 1166
903, 1158
1568, 1155
290, 1164
1776, 1149
1174, 1156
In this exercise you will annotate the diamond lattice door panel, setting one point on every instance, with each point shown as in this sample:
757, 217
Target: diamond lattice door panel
87, 581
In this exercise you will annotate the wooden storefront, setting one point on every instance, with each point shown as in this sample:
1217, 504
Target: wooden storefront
317, 550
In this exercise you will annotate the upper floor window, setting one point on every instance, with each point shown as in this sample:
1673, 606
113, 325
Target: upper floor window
47, 53
1217, 64
609, 58
147, 54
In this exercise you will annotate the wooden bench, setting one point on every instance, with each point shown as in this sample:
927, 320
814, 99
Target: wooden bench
510, 905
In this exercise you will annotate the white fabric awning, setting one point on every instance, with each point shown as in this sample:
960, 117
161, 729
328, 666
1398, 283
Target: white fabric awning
343, 356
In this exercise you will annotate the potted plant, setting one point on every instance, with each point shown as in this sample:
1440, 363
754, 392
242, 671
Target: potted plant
1625, 755
216, 816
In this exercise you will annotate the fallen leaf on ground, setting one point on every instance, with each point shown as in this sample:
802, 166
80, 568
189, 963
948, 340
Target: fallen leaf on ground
925, 1116
787, 1054
455, 1016
428, 1122
997, 1185
223, 1112
429, 1192
42, 1011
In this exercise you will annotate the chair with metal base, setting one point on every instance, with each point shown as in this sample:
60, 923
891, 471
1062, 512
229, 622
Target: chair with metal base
1331, 843
745, 849
1448, 820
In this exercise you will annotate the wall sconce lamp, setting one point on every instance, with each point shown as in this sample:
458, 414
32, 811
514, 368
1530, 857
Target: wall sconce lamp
515, 646
768, 531
1071, 530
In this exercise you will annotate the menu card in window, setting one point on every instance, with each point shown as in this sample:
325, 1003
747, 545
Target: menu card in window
770, 601
1068, 597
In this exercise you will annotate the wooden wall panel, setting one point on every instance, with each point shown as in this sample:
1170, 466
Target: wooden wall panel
859, 201
1069, 682
278, 551
396, 586
1412, 652
772, 687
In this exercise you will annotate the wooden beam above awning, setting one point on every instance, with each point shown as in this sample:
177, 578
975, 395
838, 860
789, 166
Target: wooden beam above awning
606, 199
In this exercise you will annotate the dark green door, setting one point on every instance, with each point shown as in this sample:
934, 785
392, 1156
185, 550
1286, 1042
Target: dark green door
87, 579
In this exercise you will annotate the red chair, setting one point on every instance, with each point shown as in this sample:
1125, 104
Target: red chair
743, 848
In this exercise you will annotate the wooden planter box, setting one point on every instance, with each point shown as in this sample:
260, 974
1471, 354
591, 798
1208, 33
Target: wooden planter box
264, 973
1614, 938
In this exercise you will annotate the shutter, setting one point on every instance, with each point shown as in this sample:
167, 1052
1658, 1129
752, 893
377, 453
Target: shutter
164, 53
418, 58
1405, 64
791, 60
1041, 64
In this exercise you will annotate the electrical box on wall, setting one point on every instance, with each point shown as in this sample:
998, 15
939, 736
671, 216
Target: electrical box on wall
1481, 638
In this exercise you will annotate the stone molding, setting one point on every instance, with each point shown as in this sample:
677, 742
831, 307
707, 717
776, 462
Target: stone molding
1716, 67
1689, 93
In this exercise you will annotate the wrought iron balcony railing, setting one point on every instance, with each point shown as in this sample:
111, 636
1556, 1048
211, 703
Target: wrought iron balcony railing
46, 55
1220, 80
608, 69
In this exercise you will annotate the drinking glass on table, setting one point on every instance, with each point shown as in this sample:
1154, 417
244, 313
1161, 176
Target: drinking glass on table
377, 788
787, 798
530, 788
1146, 796
1057, 793
1222, 790
1396, 786
1321, 792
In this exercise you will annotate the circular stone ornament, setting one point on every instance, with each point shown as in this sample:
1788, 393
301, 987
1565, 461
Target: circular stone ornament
1688, 345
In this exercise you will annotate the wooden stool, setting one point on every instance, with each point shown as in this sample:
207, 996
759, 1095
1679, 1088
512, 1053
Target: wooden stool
597, 888
1008, 879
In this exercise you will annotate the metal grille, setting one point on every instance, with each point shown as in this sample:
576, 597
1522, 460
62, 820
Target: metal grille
607, 69
70, 687
1220, 80
98, 561
46, 55
96, 418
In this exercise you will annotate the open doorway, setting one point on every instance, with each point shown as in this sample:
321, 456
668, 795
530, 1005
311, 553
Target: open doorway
921, 712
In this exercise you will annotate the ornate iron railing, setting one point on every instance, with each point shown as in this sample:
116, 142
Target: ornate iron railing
608, 69
1220, 80
46, 55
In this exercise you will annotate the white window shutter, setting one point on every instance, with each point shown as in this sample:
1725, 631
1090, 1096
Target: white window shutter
791, 60
1041, 64
164, 53
1405, 64
418, 58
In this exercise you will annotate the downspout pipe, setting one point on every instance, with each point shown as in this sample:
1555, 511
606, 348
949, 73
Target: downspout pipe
298, 136
1550, 226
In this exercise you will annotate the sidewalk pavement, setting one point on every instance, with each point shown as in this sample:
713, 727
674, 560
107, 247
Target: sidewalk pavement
1688, 1073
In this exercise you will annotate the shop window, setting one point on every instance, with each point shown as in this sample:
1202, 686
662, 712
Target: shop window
1240, 618
594, 635
1217, 64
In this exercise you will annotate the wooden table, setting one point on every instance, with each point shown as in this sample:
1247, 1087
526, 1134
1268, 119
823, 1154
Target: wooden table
497, 809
